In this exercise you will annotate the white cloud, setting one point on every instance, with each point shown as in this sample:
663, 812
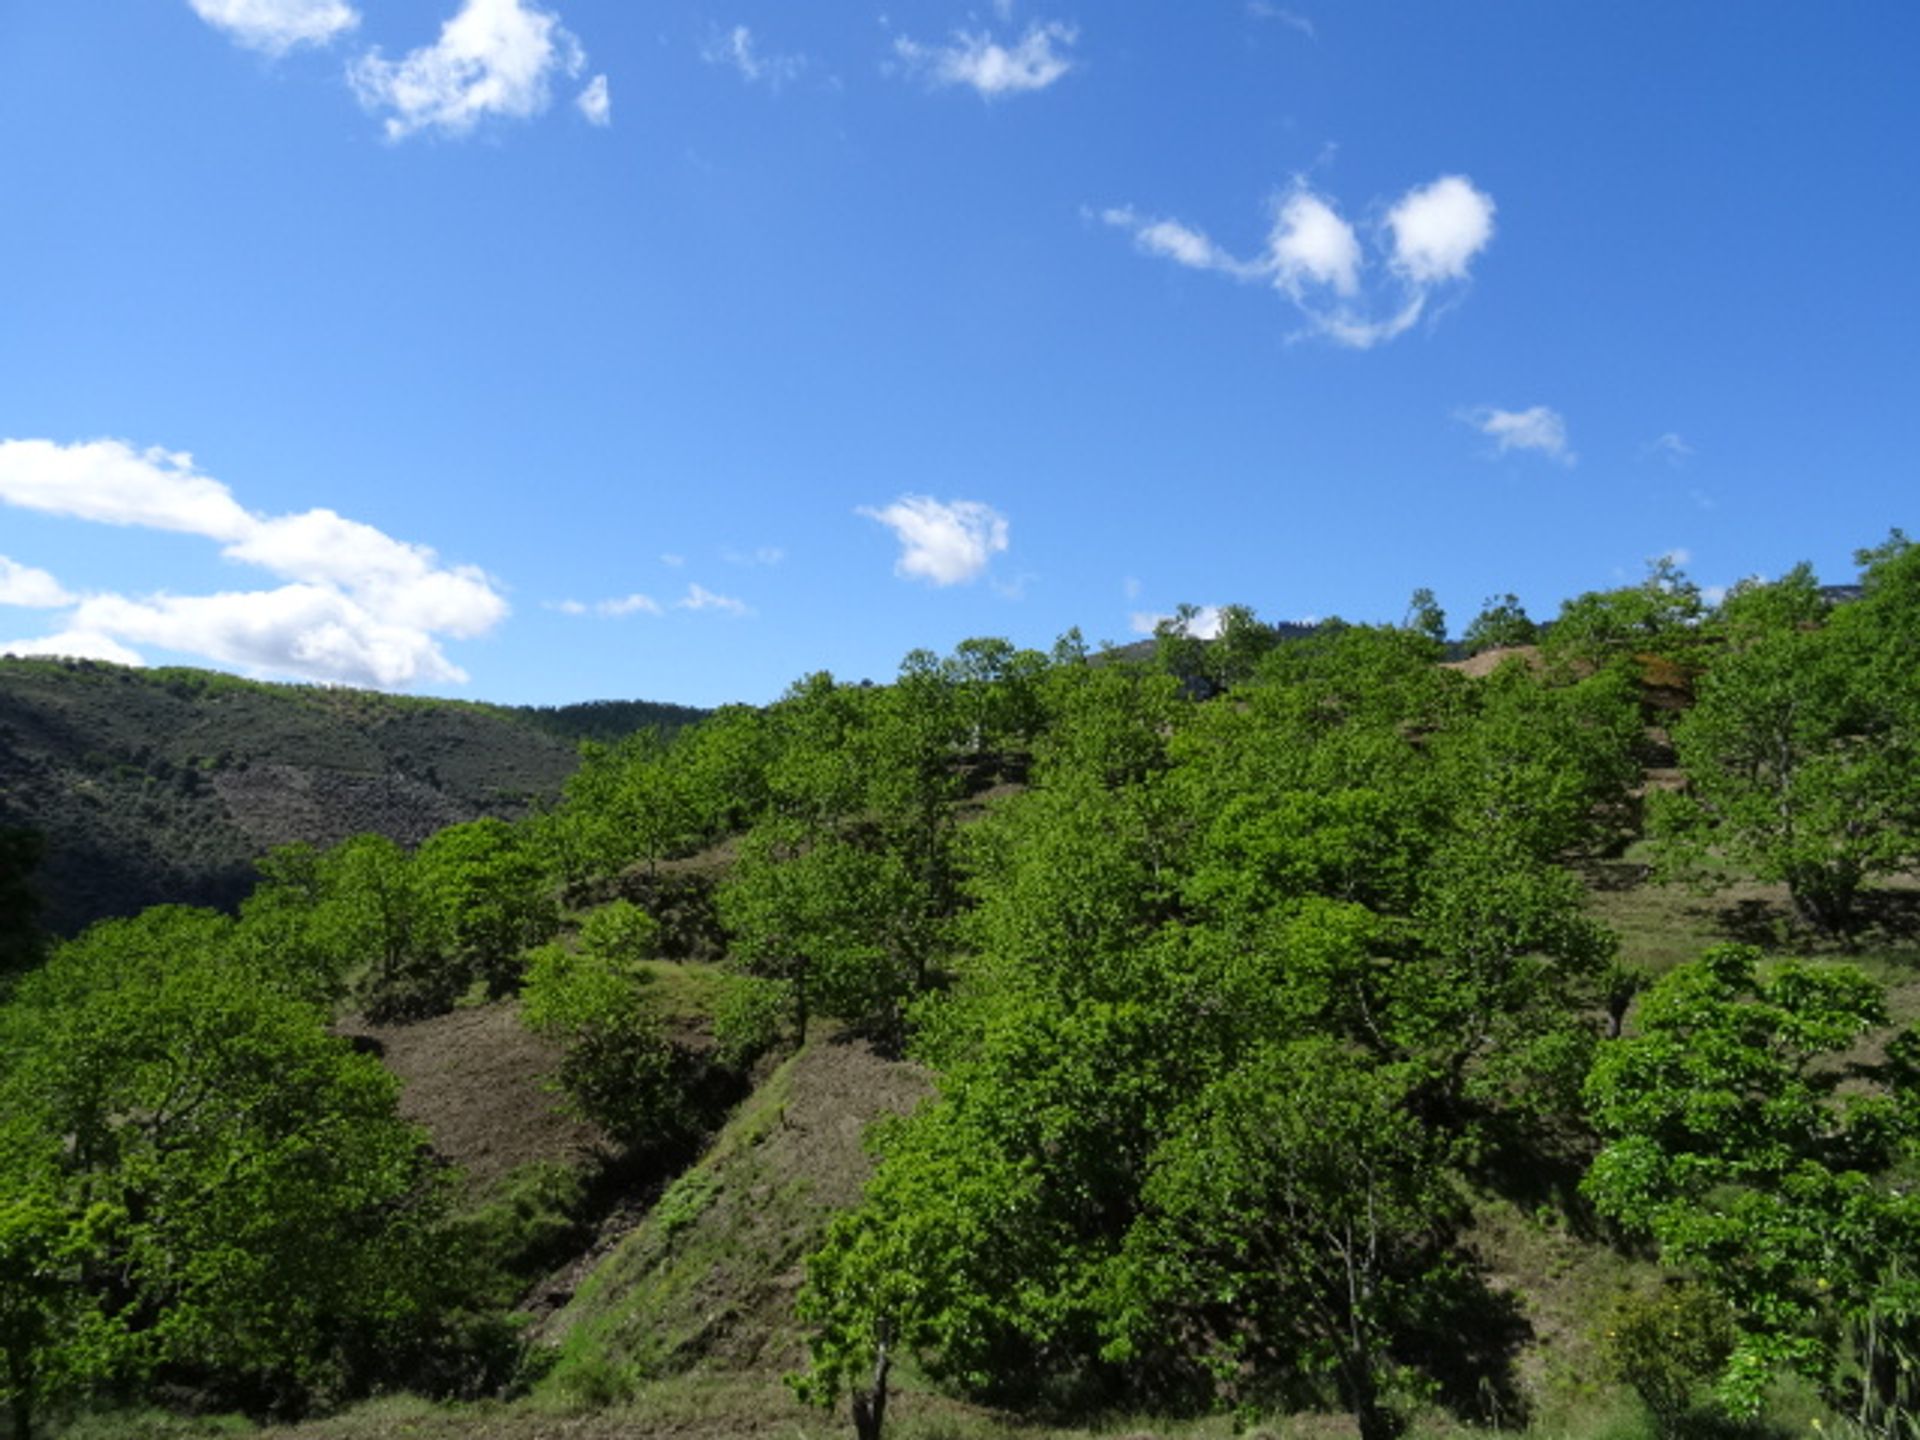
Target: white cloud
109, 481
944, 544
1170, 240
698, 597
1311, 243
1678, 555
1315, 257
277, 26
595, 103
991, 69
1203, 624
758, 556
736, 48
494, 58
313, 631
1292, 19
635, 604
1539, 428
31, 589
675, 561
1669, 447
1439, 228
74, 645
362, 608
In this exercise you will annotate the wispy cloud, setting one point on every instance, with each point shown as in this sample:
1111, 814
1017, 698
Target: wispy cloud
759, 555
495, 58
274, 27
1670, 447
1314, 256
737, 49
1539, 429
943, 543
697, 597
1292, 19
359, 607
989, 68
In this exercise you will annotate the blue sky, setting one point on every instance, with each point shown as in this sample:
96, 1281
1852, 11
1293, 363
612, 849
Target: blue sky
589, 348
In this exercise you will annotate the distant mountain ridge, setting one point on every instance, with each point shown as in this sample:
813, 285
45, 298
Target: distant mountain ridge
164, 785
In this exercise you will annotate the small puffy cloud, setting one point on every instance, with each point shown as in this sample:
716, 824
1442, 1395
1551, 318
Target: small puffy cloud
1539, 429
989, 68
277, 26
635, 604
698, 597
674, 561
31, 589
1203, 624
1679, 555
737, 50
1312, 244
943, 543
614, 609
493, 58
1439, 228
595, 103
361, 608
1316, 258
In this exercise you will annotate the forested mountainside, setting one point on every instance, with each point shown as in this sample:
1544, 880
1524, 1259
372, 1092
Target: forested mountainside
165, 785
1301, 1032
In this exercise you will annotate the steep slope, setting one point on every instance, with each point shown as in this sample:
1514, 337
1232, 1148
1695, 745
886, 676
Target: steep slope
707, 1280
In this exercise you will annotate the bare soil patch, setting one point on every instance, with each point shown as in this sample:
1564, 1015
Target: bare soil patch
476, 1080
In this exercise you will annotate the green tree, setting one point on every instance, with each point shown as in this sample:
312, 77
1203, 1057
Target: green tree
490, 898
1739, 1140
1293, 1220
1501, 624
618, 1067
830, 919
1658, 617
203, 1185
1800, 768
1425, 617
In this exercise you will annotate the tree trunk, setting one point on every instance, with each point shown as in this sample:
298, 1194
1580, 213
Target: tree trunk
870, 1405
21, 1405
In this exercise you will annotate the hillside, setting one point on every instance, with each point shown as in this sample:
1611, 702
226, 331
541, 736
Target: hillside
155, 786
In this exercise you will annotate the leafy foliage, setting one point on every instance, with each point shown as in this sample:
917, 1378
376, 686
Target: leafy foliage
1735, 1140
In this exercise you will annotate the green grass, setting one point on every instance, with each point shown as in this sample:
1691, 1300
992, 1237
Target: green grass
647, 1309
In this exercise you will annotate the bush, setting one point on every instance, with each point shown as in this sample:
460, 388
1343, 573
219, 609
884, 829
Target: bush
619, 1070
1668, 1345
750, 1018
620, 933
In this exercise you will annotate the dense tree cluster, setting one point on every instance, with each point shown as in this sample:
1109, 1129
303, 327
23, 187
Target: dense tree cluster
1240, 968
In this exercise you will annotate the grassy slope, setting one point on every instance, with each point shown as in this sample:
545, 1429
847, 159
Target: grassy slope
708, 1279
